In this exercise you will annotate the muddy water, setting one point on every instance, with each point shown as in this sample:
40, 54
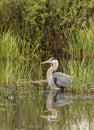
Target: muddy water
27, 109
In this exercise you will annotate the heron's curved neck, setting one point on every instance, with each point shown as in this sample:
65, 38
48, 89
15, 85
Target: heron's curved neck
52, 68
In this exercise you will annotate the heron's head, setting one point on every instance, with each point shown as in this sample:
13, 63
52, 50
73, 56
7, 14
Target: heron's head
52, 60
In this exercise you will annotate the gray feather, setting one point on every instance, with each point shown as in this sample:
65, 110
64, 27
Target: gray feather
61, 79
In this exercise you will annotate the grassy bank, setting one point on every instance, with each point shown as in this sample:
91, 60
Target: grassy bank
17, 65
81, 62
31, 32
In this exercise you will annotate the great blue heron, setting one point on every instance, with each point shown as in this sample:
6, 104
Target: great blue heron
57, 80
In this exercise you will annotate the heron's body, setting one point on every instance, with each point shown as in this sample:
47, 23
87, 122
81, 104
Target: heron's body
57, 80
61, 79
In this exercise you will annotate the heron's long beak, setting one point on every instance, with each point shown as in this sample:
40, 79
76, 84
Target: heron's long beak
44, 116
47, 61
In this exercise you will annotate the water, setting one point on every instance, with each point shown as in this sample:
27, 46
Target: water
27, 109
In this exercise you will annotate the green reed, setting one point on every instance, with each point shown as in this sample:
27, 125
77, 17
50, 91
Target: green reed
15, 61
19, 62
80, 64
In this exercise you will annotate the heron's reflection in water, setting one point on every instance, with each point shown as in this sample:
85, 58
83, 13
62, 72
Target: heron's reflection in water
55, 99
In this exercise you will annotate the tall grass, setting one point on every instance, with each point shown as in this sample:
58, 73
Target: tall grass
15, 61
8, 51
19, 63
81, 62
33, 31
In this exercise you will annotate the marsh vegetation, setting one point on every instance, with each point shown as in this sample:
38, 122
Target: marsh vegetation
31, 31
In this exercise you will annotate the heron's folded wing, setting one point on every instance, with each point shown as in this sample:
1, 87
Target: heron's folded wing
61, 79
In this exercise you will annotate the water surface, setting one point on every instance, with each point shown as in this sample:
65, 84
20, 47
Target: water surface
28, 109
